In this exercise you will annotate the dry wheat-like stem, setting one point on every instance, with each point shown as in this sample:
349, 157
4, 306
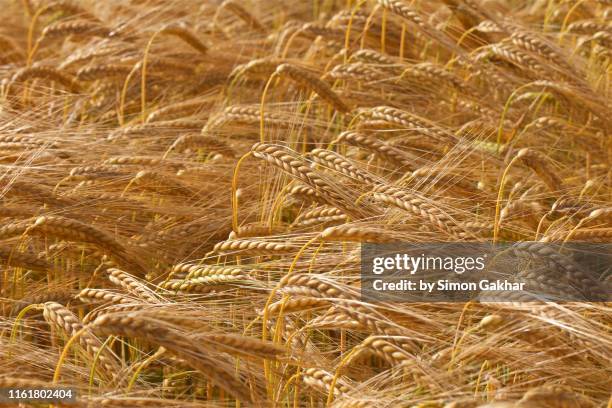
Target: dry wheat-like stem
310, 81
48, 73
322, 380
336, 319
305, 193
219, 280
320, 215
531, 212
580, 280
296, 166
150, 179
601, 235
554, 396
385, 349
405, 11
98, 72
58, 316
73, 230
409, 121
371, 320
243, 14
179, 110
256, 230
90, 295
541, 47
380, 148
182, 287
37, 193
315, 29
434, 73
66, 8
93, 172
182, 32
296, 305
356, 233
106, 309
420, 207
246, 115
10, 50
372, 56
29, 140
58, 296
259, 68
541, 166
79, 28
445, 179
586, 27
315, 286
18, 382
389, 121
255, 247
336, 161
242, 345
190, 270
131, 284
144, 161
203, 141
176, 344
518, 58
17, 212
12, 257
356, 71
176, 125
578, 96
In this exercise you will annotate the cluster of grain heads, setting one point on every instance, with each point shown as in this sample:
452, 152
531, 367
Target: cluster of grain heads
177, 344
309, 81
178, 262
72, 230
64, 320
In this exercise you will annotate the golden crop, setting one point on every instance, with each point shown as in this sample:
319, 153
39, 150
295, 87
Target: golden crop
184, 187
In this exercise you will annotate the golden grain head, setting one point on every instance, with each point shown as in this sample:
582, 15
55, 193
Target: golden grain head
186, 189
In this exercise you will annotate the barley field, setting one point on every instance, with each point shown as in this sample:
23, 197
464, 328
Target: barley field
185, 187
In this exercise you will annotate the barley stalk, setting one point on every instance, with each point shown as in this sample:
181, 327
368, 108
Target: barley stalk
309, 81
176, 344
63, 319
